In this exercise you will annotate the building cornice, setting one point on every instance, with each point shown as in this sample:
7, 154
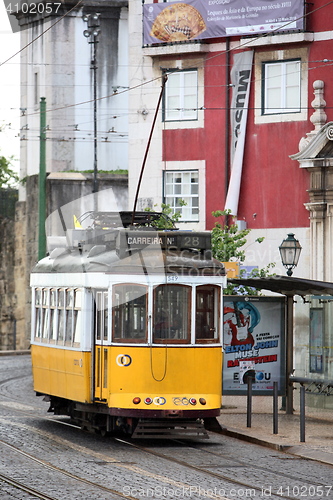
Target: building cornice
311, 151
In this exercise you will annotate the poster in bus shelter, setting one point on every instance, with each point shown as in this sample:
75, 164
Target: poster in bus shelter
168, 22
254, 332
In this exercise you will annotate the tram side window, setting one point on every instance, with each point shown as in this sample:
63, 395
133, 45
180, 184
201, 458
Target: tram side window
72, 317
58, 316
207, 314
62, 316
172, 312
101, 315
38, 313
129, 313
53, 315
42, 314
69, 317
77, 323
46, 314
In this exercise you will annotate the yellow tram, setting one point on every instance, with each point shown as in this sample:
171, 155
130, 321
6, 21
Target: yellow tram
127, 325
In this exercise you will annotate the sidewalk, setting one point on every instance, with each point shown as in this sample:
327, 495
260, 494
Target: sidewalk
318, 443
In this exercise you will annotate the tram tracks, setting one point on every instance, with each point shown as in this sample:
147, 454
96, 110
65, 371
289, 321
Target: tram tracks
234, 463
23, 488
53, 469
227, 480
229, 483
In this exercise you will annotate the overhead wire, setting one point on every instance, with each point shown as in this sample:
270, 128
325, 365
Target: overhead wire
141, 84
42, 34
246, 43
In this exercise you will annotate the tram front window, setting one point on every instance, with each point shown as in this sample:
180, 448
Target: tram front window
207, 314
171, 320
129, 313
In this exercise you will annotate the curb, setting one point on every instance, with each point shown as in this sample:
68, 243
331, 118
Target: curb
14, 353
295, 450
254, 440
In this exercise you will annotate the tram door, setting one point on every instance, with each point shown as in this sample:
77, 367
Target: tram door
101, 346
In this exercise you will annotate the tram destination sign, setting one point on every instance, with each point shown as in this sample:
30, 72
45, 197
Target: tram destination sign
180, 240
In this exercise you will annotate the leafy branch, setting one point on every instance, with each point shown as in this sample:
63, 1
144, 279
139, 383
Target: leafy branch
168, 217
8, 176
227, 243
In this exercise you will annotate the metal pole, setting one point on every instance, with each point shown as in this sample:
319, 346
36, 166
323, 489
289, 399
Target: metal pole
95, 185
42, 182
249, 402
302, 414
290, 355
275, 408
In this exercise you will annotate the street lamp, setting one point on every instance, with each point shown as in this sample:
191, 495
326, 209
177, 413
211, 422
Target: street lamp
91, 33
290, 250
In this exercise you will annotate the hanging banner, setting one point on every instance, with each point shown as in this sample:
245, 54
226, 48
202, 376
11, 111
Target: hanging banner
241, 81
201, 19
240, 77
254, 342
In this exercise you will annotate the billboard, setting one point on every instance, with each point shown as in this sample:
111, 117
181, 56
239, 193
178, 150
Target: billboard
254, 342
201, 19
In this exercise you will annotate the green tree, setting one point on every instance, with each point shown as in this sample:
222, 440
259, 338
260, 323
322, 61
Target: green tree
227, 246
168, 217
8, 176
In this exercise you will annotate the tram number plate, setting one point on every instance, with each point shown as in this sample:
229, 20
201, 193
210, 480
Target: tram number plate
172, 278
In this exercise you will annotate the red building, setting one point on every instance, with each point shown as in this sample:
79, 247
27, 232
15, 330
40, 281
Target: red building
285, 170
286, 63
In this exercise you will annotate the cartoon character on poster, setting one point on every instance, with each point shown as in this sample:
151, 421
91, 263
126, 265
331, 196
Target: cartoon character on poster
240, 319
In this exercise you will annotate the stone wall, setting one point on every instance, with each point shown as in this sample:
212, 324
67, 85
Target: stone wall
7, 284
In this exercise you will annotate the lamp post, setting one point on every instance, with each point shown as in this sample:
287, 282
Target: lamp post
290, 250
91, 33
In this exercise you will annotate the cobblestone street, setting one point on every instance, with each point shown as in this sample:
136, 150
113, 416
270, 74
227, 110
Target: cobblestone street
58, 461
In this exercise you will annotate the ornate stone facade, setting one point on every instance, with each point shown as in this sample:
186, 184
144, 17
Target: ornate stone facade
316, 155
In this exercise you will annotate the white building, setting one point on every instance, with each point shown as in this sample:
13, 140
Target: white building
57, 64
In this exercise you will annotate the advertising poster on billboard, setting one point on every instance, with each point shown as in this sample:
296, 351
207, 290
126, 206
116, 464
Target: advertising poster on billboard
253, 340
201, 19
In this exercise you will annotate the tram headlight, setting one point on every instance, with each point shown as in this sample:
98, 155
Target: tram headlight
193, 401
148, 401
202, 401
137, 400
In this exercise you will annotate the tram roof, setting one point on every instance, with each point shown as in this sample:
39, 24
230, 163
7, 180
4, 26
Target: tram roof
118, 242
128, 252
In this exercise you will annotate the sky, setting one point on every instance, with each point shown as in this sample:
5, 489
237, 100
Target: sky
9, 89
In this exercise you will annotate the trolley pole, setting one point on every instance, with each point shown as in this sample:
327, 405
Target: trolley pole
42, 182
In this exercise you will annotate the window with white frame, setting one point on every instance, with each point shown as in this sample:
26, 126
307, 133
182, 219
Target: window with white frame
181, 96
182, 187
58, 316
281, 87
